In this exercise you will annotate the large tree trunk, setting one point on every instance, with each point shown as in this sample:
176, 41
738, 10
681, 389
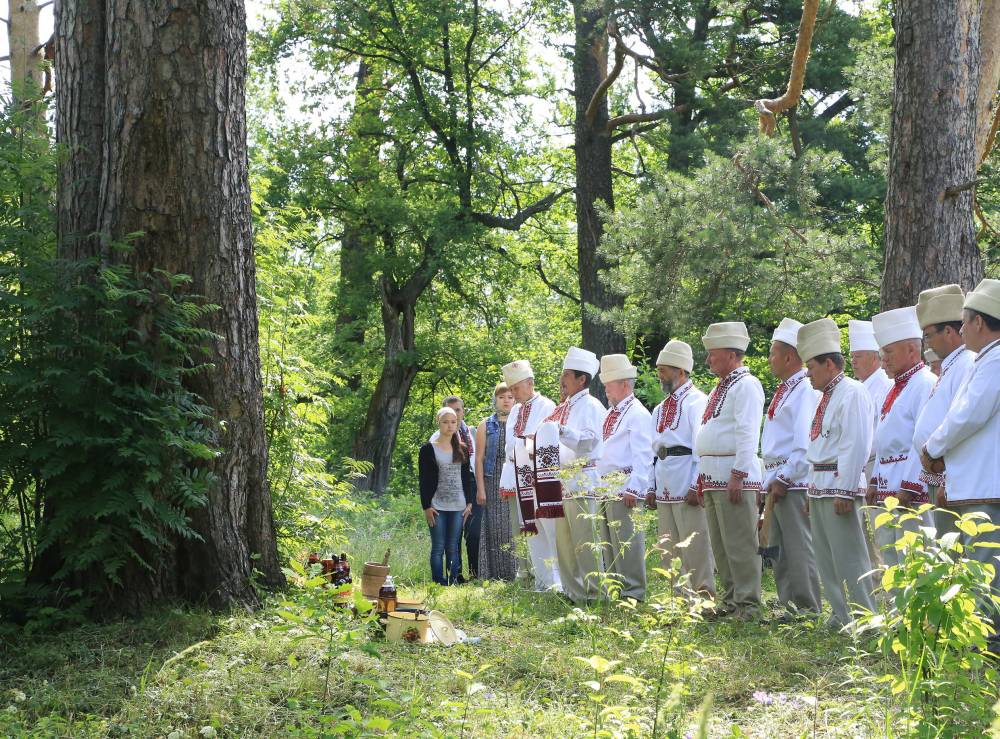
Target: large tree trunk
930, 235
356, 286
592, 146
151, 109
377, 439
989, 77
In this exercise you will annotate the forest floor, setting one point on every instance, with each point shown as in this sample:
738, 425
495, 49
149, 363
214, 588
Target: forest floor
189, 673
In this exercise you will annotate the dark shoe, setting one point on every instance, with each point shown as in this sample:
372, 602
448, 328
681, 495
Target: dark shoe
717, 613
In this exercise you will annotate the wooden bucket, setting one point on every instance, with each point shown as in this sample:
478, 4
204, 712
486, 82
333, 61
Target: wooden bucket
372, 577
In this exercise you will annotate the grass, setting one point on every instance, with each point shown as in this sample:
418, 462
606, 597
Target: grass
187, 673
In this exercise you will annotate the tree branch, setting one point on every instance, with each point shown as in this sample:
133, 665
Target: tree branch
602, 89
656, 115
635, 131
552, 286
514, 222
841, 104
764, 199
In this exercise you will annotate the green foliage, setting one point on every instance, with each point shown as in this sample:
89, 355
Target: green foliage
702, 248
934, 635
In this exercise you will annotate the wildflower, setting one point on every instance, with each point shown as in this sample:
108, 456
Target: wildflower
763, 697
19, 696
208, 732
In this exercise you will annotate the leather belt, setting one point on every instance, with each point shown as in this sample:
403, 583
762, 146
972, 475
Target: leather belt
674, 451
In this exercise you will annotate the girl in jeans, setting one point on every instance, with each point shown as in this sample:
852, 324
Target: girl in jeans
447, 490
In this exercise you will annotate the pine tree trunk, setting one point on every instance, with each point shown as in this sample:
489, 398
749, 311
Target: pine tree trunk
930, 234
592, 146
156, 135
376, 441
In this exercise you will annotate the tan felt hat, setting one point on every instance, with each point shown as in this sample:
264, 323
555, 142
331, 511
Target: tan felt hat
940, 305
985, 298
727, 335
818, 337
517, 371
616, 367
677, 354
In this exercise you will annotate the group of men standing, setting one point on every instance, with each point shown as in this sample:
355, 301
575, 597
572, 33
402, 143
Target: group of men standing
824, 447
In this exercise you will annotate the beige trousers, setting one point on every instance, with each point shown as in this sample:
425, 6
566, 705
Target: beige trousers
732, 528
841, 557
578, 546
521, 564
675, 523
795, 573
624, 547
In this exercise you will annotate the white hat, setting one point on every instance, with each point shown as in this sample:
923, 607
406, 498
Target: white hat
896, 325
985, 298
930, 356
787, 331
514, 372
677, 354
818, 337
581, 360
727, 335
861, 336
616, 367
940, 305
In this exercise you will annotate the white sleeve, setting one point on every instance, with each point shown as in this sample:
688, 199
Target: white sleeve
796, 468
582, 440
641, 447
693, 416
748, 405
852, 448
978, 402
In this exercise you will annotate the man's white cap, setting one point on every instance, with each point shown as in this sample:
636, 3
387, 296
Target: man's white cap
985, 298
616, 367
930, 356
940, 305
895, 325
581, 360
677, 354
514, 372
787, 332
818, 337
727, 335
861, 336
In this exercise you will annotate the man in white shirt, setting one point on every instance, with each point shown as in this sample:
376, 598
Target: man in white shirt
579, 418
866, 363
840, 437
673, 490
897, 463
939, 312
530, 409
729, 470
473, 524
623, 469
968, 438
786, 472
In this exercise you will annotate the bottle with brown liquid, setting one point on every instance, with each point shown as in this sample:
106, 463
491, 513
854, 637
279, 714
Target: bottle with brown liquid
387, 596
345, 567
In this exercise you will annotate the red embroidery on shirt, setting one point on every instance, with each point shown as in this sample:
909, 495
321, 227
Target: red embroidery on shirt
817, 425
784, 389
614, 415
522, 418
718, 396
561, 413
669, 413
897, 387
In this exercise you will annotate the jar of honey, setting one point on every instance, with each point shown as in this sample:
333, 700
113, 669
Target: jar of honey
387, 596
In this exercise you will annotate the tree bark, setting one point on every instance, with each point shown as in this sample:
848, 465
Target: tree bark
930, 234
989, 78
377, 439
151, 109
24, 47
592, 146
356, 287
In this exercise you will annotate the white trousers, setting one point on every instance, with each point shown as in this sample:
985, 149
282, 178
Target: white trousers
542, 549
